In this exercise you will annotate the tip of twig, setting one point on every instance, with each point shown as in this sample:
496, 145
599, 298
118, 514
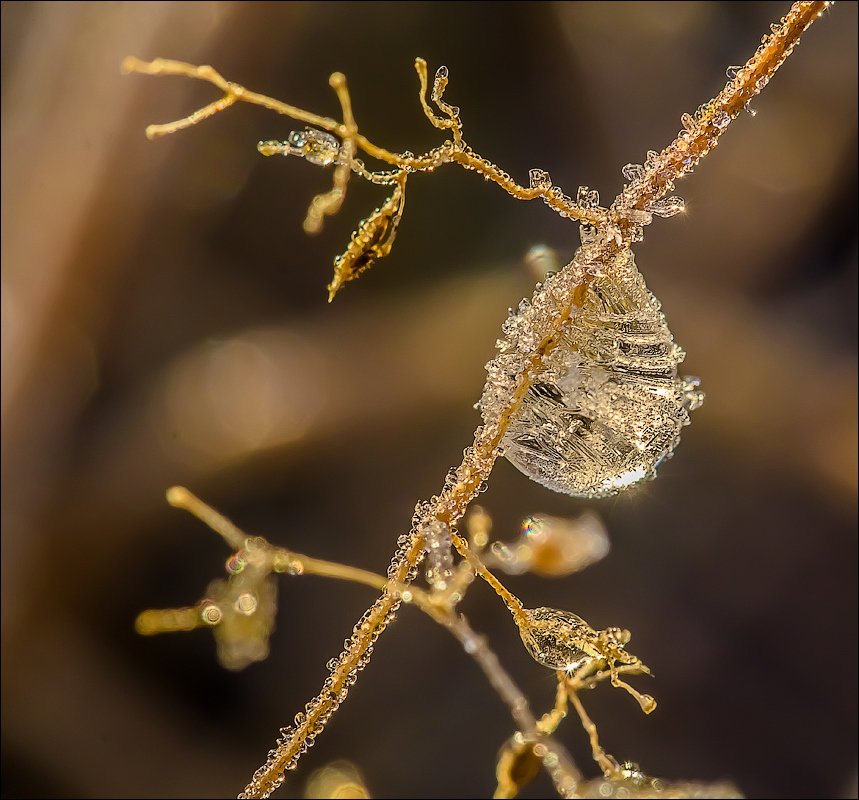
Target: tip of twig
337, 80
269, 148
177, 496
129, 65
648, 703
143, 623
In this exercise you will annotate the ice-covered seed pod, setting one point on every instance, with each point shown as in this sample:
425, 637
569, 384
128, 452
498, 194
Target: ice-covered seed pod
608, 406
556, 639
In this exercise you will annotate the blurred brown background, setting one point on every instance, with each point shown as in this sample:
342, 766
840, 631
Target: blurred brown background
165, 321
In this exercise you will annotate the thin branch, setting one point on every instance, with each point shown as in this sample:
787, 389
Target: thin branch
452, 152
180, 497
329, 203
607, 763
564, 773
703, 130
168, 66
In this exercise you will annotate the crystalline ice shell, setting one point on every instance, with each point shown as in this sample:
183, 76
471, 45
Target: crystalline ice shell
608, 407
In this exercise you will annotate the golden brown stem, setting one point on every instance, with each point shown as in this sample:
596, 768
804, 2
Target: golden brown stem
328, 203
180, 497
607, 763
168, 66
513, 603
428, 162
549, 721
712, 119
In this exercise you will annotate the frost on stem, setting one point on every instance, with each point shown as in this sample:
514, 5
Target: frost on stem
564, 396
439, 560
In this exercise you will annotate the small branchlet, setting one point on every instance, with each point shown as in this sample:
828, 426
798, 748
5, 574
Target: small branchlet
329, 143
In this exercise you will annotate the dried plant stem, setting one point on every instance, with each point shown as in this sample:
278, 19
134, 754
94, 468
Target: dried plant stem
456, 152
713, 118
180, 497
563, 772
608, 764
513, 603
448, 507
550, 720
614, 229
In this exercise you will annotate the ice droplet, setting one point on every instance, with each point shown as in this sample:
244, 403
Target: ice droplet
317, 147
667, 206
587, 198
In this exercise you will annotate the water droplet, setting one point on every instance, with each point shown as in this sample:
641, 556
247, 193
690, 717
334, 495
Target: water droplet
439, 565
721, 119
693, 397
587, 198
235, 564
246, 603
317, 147
211, 614
637, 217
556, 638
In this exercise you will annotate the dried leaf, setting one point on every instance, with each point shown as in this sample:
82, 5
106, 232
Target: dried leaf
373, 240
